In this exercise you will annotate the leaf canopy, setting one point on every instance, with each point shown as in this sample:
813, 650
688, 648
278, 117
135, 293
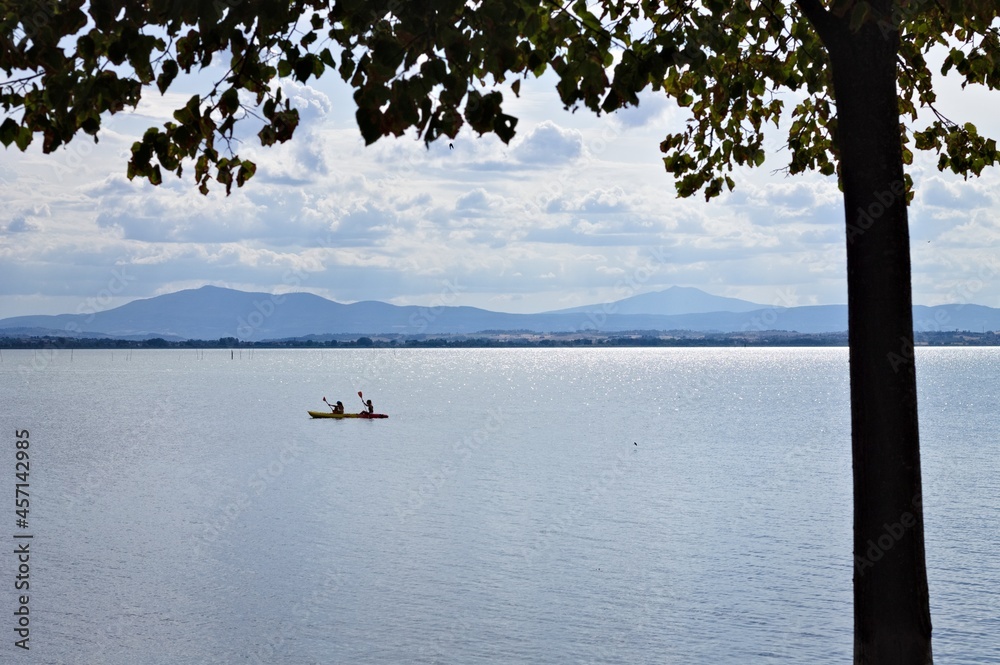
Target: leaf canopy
435, 66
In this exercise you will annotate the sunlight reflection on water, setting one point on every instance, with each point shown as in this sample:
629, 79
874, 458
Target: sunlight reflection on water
558, 505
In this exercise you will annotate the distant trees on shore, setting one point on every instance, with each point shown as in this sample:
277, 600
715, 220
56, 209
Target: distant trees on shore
496, 339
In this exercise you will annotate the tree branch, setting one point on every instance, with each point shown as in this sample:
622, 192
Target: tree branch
818, 16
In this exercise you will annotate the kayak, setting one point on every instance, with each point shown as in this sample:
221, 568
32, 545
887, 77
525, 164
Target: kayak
338, 416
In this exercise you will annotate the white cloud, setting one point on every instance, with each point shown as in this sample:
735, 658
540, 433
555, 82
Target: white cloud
477, 200
311, 103
549, 144
935, 192
19, 224
599, 200
652, 108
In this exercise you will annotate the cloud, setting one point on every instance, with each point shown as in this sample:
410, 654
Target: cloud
20, 224
549, 144
981, 230
474, 200
961, 196
596, 231
158, 107
653, 106
362, 226
347, 211
171, 214
299, 162
111, 186
303, 160
794, 196
810, 200
604, 201
312, 104
478, 200
595, 201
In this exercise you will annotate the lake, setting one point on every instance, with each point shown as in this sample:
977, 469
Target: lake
517, 506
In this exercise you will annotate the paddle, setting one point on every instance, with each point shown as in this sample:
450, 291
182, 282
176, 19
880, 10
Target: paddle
329, 405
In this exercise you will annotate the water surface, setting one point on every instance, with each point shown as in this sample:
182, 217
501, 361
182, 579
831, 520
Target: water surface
531, 505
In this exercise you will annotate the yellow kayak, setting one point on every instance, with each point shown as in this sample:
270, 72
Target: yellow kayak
338, 416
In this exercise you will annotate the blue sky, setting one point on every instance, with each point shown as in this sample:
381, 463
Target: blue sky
576, 210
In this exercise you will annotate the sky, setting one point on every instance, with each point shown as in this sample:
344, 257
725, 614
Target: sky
576, 210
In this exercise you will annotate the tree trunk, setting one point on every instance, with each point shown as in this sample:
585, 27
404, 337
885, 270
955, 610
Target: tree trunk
891, 605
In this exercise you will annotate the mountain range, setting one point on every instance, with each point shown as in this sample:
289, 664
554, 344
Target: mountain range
212, 312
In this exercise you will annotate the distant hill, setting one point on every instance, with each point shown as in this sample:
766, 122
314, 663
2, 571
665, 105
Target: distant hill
669, 302
211, 313
17, 332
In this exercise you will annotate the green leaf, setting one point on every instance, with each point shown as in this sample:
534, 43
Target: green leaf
503, 127
190, 112
229, 102
8, 131
168, 72
369, 124
23, 138
247, 171
304, 68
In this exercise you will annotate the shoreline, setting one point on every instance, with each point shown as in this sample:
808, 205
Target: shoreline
493, 339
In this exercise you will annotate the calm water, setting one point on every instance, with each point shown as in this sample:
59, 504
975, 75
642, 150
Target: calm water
518, 506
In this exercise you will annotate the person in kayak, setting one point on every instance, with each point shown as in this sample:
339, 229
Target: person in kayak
370, 408
338, 407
